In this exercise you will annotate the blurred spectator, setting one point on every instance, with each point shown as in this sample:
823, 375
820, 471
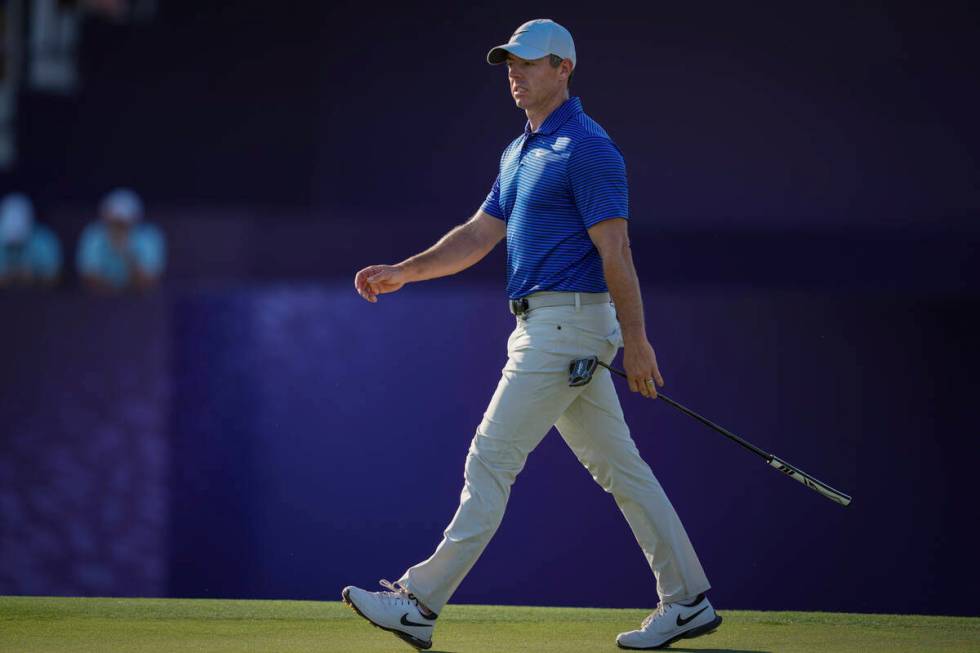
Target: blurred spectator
119, 252
30, 253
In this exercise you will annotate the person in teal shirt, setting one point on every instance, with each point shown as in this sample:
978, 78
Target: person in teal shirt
120, 252
30, 253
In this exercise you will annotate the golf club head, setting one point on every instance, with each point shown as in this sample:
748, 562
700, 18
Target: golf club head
580, 371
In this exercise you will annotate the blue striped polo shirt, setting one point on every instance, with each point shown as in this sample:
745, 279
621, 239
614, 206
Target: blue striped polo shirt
552, 186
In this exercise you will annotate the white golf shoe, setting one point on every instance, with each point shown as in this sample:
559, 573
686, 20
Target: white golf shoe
395, 610
670, 622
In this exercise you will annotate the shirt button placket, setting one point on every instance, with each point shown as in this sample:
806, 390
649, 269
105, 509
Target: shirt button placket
527, 139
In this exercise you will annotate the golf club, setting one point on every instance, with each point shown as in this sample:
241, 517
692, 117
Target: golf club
580, 373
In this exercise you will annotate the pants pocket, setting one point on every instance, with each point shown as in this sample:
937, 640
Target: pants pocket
616, 337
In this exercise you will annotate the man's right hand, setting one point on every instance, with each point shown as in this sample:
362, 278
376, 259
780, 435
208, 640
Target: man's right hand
376, 280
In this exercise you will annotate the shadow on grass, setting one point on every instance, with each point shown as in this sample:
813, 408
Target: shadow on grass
674, 648
713, 650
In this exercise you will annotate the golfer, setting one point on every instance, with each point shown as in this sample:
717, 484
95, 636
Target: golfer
560, 199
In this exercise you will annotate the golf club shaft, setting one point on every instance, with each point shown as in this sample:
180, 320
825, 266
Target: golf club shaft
781, 465
704, 420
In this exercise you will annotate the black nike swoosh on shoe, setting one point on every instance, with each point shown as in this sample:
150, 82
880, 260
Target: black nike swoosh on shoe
406, 622
681, 621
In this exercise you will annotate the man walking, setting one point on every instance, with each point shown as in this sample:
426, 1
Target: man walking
560, 198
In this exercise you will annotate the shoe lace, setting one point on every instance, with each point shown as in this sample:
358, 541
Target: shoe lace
396, 593
661, 609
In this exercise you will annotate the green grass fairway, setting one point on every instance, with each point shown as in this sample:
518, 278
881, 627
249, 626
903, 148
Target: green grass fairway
35, 625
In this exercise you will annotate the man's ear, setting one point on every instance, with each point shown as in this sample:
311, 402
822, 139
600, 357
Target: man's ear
566, 68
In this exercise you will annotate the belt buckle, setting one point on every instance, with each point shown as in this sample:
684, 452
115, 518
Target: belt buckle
519, 307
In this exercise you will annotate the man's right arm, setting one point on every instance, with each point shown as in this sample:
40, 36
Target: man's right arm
462, 247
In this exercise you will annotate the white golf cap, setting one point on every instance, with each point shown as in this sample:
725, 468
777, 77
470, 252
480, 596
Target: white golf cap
122, 205
535, 39
16, 218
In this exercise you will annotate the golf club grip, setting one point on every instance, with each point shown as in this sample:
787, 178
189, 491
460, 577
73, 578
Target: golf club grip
780, 464
810, 482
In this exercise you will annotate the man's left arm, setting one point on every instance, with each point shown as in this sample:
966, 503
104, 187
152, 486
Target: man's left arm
146, 257
612, 240
597, 176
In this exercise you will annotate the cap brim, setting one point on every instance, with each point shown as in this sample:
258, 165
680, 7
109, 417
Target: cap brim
498, 55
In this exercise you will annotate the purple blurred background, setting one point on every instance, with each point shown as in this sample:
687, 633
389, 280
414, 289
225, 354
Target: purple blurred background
805, 192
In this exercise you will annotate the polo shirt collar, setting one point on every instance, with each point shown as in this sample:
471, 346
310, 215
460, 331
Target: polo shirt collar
567, 109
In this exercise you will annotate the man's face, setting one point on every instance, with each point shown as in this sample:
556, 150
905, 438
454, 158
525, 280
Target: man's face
533, 81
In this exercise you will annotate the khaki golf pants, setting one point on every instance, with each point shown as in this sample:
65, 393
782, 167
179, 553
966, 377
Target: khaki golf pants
532, 395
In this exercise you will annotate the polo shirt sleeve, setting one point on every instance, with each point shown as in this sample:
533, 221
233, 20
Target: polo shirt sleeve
46, 254
491, 205
597, 176
89, 256
150, 246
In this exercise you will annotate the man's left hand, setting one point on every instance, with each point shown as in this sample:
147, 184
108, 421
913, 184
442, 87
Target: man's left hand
640, 362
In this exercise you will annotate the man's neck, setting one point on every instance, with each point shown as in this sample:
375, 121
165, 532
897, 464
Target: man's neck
537, 115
